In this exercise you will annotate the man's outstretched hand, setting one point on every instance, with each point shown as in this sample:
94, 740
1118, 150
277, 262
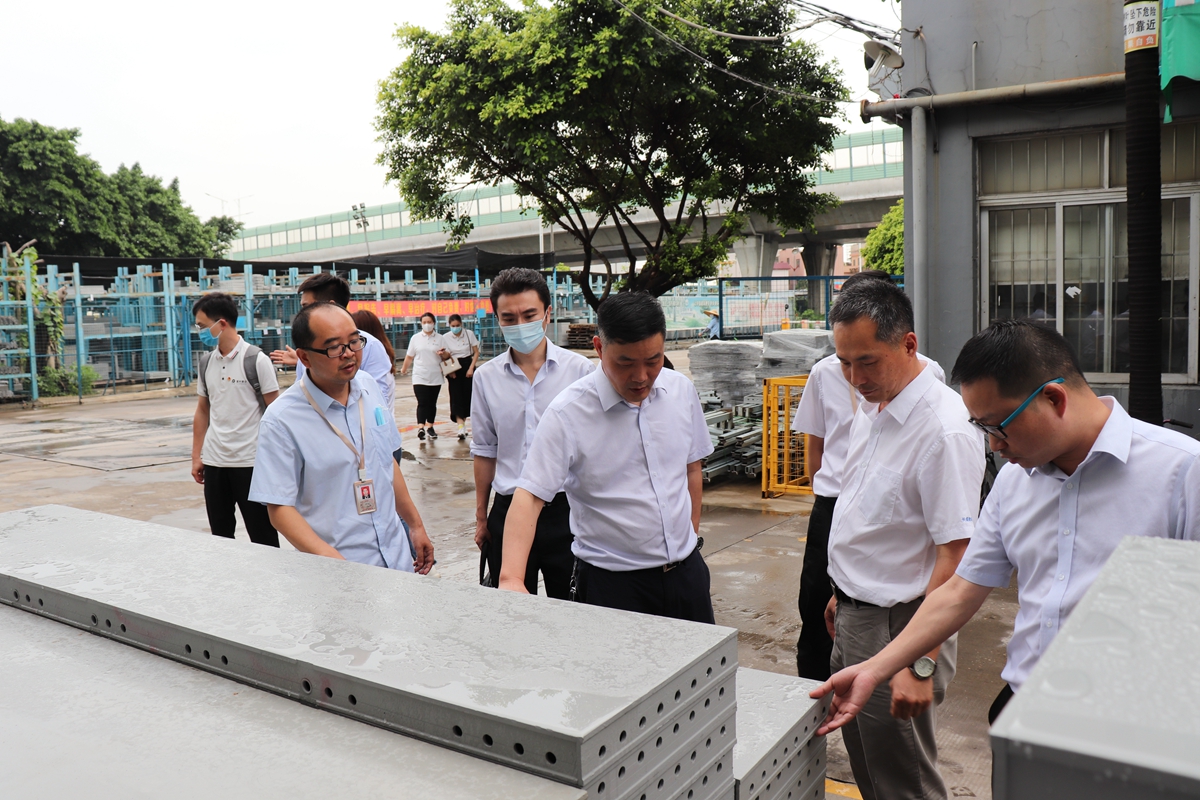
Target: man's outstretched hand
852, 688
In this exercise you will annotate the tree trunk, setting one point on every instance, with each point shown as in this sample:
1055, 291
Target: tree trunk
1143, 141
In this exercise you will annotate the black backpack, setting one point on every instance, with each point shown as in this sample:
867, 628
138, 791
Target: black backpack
249, 364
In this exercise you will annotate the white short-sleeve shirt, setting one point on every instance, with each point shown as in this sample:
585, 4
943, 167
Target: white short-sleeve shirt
422, 348
913, 477
624, 469
233, 408
461, 346
506, 408
1058, 530
826, 409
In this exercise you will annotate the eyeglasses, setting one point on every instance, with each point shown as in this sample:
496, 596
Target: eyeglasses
998, 430
338, 350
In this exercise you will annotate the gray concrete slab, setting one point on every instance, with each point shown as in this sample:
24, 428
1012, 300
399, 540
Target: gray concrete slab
88, 717
555, 688
777, 724
1112, 709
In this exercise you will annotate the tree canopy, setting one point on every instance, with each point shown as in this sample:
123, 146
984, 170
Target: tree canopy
884, 248
592, 114
62, 198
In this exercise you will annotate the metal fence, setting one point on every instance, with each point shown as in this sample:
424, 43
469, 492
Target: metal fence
750, 307
785, 467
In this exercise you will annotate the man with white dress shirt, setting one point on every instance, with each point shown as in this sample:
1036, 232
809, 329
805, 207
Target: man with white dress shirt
1081, 476
902, 522
510, 395
325, 467
329, 287
626, 444
826, 409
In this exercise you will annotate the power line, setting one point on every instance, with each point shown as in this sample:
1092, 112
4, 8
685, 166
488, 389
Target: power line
715, 32
683, 48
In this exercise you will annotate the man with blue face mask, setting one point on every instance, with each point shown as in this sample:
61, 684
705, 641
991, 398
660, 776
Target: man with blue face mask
510, 393
236, 384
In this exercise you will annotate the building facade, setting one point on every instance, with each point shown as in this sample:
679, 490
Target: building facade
1025, 198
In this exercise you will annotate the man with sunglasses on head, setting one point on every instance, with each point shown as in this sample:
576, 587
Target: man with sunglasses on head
235, 384
325, 468
1082, 476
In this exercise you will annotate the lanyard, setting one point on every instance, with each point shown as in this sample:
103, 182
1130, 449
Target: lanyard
362, 422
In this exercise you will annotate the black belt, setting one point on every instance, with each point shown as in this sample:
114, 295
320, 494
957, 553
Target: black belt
842, 597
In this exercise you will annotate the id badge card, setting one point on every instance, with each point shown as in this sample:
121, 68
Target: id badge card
364, 496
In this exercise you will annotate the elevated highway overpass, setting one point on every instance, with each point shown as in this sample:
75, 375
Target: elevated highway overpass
864, 171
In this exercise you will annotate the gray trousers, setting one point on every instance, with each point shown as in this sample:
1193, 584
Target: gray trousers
892, 759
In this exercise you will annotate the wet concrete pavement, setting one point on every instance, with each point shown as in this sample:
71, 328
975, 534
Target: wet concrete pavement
132, 459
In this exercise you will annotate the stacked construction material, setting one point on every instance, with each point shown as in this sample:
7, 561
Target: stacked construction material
136, 725
726, 368
622, 705
792, 352
737, 439
778, 754
1112, 710
579, 336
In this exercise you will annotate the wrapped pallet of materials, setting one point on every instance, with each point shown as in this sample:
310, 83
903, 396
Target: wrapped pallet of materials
726, 368
793, 352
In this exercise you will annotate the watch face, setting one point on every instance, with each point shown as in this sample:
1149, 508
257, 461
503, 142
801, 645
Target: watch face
924, 667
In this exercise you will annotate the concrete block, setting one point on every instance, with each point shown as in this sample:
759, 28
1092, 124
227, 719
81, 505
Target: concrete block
563, 690
1112, 710
777, 749
88, 717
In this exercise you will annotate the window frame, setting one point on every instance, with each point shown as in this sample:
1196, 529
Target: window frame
1059, 199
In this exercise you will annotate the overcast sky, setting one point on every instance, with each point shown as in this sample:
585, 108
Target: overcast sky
272, 103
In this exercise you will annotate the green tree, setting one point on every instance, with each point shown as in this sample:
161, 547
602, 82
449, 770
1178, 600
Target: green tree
884, 248
63, 199
584, 109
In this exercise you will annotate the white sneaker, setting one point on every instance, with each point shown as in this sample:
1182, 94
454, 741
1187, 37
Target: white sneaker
462, 431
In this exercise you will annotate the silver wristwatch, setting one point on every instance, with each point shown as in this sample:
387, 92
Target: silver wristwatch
923, 668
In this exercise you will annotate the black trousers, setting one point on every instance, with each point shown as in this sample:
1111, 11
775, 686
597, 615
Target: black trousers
225, 487
679, 593
460, 392
551, 552
814, 646
999, 703
427, 397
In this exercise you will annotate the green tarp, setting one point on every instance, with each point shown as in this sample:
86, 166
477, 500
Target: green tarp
1180, 44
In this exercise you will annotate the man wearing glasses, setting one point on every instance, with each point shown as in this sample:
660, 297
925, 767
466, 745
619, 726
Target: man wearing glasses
1082, 476
325, 468
906, 512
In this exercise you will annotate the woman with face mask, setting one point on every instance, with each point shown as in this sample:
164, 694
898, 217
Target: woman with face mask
426, 351
464, 346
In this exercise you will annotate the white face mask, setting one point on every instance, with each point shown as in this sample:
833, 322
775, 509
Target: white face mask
427, 327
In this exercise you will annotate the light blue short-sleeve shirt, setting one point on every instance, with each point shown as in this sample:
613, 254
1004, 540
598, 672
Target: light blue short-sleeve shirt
302, 463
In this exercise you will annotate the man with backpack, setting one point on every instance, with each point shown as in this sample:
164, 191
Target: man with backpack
236, 383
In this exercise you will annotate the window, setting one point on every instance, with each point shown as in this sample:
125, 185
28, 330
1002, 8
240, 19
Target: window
1054, 246
375, 223
279, 239
237, 246
489, 205
325, 231
341, 228
509, 202
308, 234
405, 219
391, 220
264, 241
293, 236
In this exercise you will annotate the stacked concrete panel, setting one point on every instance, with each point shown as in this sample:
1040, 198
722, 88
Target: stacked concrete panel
778, 754
622, 705
1112, 710
88, 717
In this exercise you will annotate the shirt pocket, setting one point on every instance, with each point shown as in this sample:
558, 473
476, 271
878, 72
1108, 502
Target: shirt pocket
880, 490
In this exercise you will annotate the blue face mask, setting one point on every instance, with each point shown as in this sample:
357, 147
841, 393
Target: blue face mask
207, 338
456, 331
526, 337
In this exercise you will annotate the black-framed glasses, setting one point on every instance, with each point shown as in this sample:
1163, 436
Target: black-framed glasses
354, 345
998, 430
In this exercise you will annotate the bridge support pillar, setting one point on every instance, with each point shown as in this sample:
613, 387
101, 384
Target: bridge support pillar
756, 255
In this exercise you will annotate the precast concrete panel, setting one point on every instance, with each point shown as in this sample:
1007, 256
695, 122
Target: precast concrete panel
777, 748
87, 717
564, 690
1112, 710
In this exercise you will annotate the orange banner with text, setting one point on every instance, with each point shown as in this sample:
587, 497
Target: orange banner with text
403, 309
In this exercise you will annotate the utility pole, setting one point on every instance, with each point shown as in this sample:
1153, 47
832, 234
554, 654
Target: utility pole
362, 223
1143, 143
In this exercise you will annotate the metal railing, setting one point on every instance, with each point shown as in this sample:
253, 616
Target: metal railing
785, 468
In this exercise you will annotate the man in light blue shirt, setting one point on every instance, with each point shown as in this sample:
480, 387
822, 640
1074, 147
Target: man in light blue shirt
328, 287
325, 468
626, 444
